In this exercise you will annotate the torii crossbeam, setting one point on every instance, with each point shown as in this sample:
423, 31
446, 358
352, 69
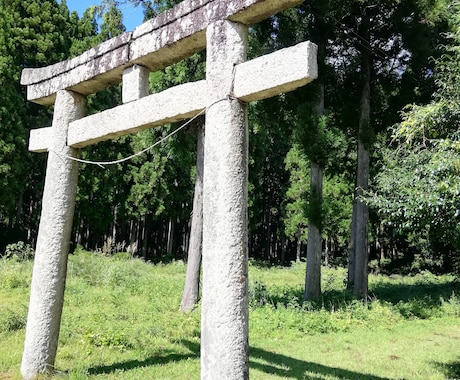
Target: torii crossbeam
221, 27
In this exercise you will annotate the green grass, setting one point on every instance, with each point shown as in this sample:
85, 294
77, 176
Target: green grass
121, 321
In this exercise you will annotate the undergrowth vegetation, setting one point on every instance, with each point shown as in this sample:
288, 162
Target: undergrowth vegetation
391, 300
121, 320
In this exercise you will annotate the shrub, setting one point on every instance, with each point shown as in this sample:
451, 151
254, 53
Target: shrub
424, 308
113, 339
258, 295
20, 251
451, 306
15, 274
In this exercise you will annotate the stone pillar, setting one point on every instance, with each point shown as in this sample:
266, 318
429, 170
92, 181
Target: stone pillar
224, 323
50, 266
135, 83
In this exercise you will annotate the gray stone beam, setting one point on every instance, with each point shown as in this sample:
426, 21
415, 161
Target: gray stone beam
86, 74
158, 43
258, 79
40, 139
279, 72
174, 104
185, 32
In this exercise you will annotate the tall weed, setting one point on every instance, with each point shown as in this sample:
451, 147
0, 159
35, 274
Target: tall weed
14, 274
12, 319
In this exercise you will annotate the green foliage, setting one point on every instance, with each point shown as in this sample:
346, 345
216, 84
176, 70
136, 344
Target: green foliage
33, 33
19, 251
112, 23
158, 187
423, 123
419, 308
337, 207
12, 131
39, 33
296, 221
110, 339
85, 31
98, 24
317, 136
416, 192
336, 203
121, 320
418, 189
269, 142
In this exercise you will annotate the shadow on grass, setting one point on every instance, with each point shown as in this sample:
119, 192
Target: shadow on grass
406, 292
262, 360
148, 362
450, 370
427, 294
287, 367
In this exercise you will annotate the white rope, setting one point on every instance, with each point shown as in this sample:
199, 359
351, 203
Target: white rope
102, 164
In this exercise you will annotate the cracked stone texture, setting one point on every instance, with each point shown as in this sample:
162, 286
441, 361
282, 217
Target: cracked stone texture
224, 323
135, 83
158, 43
50, 263
258, 79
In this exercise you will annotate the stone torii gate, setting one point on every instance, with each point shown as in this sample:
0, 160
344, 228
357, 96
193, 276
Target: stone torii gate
221, 27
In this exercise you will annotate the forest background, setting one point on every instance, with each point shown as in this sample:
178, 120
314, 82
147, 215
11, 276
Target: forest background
361, 165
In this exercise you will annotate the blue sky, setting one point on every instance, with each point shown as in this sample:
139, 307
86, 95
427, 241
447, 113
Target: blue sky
132, 16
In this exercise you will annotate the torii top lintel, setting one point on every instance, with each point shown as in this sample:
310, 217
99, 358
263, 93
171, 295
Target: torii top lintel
170, 37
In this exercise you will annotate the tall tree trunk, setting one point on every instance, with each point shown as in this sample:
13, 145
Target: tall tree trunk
314, 244
351, 250
283, 251
362, 221
298, 250
268, 225
192, 277
171, 230
361, 210
144, 236
19, 208
326, 252
114, 225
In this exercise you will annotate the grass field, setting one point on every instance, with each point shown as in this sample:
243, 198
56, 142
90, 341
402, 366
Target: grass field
121, 321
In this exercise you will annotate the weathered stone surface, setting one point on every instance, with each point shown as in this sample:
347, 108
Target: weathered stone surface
247, 12
135, 83
36, 75
224, 323
167, 39
88, 73
258, 79
174, 104
50, 263
251, 12
40, 139
182, 9
276, 73
184, 32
